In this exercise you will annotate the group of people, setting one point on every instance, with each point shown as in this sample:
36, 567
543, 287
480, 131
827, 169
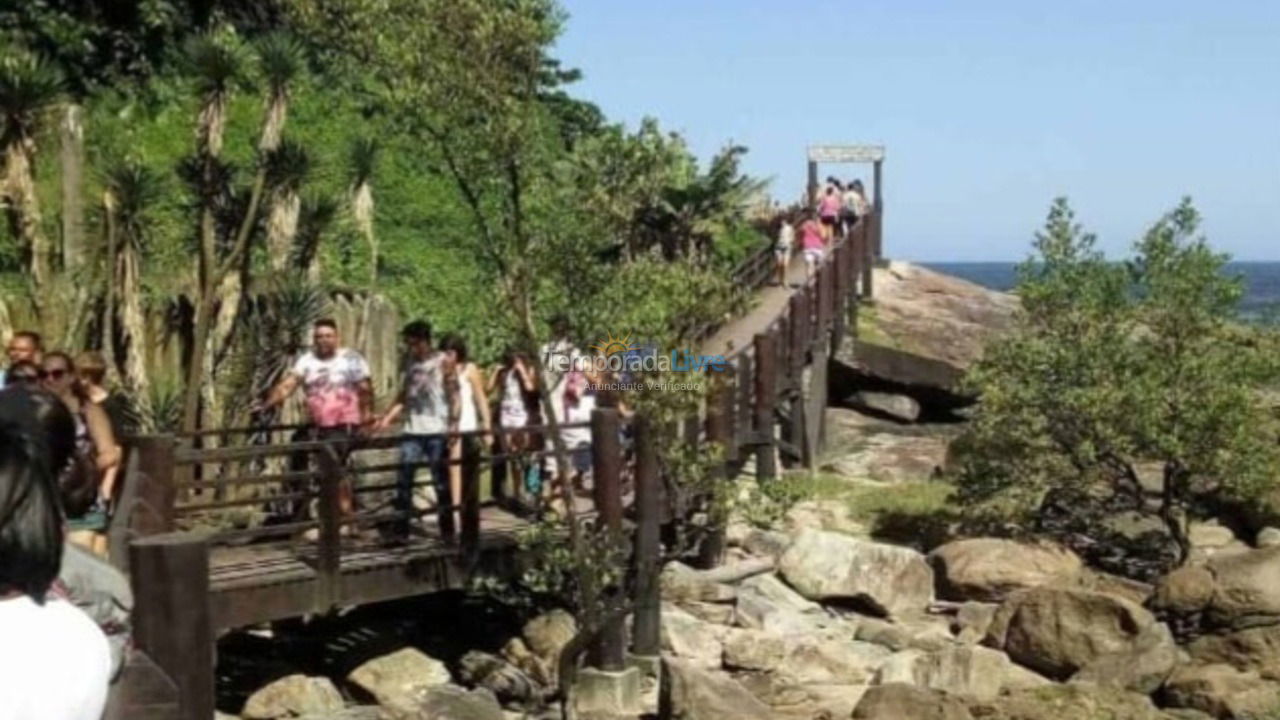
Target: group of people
88, 484
64, 612
442, 411
834, 211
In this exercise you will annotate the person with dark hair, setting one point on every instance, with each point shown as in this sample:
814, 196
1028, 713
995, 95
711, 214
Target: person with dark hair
428, 400
55, 664
24, 373
25, 346
782, 248
90, 479
516, 386
339, 393
474, 421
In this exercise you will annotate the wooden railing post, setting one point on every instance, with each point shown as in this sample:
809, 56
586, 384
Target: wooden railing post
172, 620
719, 416
869, 253
145, 495
646, 632
470, 538
329, 550
745, 408
610, 648
766, 395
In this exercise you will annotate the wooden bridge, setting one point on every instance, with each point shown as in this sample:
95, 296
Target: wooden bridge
202, 562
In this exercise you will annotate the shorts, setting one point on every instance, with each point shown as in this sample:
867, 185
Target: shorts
813, 256
513, 418
782, 253
829, 220
579, 459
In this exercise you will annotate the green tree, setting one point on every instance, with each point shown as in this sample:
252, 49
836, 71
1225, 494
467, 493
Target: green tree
1124, 387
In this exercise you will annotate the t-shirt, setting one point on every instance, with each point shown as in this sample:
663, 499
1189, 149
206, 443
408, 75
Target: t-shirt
812, 235
54, 662
786, 237
426, 404
829, 205
851, 199
332, 386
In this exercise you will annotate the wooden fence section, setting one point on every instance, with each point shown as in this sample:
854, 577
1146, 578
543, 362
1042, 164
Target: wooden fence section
290, 549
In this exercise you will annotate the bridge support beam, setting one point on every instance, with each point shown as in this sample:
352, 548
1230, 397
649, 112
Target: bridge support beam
815, 403
647, 628
609, 652
172, 622
719, 418
766, 380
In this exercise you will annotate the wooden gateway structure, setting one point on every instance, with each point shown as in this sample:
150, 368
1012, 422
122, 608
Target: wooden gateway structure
191, 584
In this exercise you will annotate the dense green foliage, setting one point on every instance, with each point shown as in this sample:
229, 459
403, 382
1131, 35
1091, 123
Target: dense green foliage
1126, 387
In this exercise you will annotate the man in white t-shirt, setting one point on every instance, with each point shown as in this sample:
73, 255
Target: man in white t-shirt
429, 401
338, 390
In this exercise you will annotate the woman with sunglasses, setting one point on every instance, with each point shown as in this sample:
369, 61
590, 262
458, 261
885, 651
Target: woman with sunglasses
85, 502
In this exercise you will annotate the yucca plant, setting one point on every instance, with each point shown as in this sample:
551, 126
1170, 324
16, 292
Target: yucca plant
131, 191
280, 59
30, 88
316, 217
216, 64
362, 162
288, 166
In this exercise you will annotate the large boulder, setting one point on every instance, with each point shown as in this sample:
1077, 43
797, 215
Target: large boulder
900, 701
695, 693
1074, 701
500, 677
1256, 649
450, 702
1221, 691
886, 579
547, 634
903, 408
874, 451
972, 671
293, 696
681, 583
1246, 588
1058, 632
754, 650
688, 638
829, 660
989, 569
399, 678
767, 603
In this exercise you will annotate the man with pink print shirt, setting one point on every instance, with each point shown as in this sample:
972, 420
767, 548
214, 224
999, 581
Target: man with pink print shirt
338, 391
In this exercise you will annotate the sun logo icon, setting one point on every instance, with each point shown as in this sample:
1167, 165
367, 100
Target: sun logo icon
614, 345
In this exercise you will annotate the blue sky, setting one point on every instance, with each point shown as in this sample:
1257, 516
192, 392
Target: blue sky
988, 110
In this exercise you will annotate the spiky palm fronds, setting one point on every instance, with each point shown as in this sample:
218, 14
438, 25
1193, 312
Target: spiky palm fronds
287, 166
315, 218
275, 329
280, 58
135, 190
216, 65
29, 88
362, 160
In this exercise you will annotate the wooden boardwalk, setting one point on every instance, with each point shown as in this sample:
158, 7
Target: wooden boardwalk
193, 578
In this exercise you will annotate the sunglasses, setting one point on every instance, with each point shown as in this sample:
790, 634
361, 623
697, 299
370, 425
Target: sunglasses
57, 374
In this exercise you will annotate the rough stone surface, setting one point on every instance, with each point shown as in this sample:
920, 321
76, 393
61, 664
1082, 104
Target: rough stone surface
681, 583
1058, 632
1142, 669
887, 579
716, 613
834, 701
1256, 649
698, 694
832, 515
753, 650
1075, 701
1267, 537
769, 543
508, 682
972, 671
767, 603
547, 634
1221, 691
404, 674
1245, 586
989, 569
874, 451
1186, 590
691, 639
292, 696
972, 621
900, 701
826, 660
537, 668
450, 702
898, 407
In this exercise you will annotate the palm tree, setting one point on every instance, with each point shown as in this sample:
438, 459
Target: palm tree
287, 168
280, 58
131, 191
362, 161
316, 216
29, 88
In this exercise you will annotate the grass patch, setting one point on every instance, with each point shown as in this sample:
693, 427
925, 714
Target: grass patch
916, 514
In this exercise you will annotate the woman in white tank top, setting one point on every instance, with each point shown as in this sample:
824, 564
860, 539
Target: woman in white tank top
473, 414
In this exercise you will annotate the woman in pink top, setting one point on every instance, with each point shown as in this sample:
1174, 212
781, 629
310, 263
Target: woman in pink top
813, 242
829, 211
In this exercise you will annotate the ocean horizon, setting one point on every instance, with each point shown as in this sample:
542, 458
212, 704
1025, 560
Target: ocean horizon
1261, 280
